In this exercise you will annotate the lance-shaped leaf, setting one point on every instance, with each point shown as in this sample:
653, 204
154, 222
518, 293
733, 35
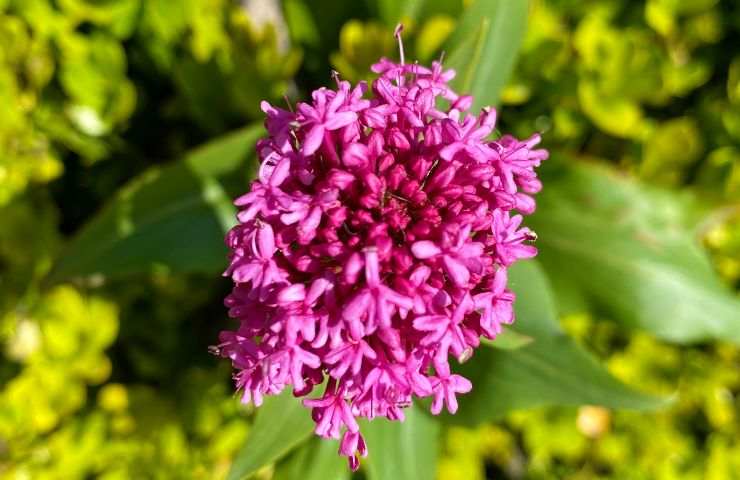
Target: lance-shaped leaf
631, 251
549, 370
173, 216
405, 449
317, 459
281, 424
484, 46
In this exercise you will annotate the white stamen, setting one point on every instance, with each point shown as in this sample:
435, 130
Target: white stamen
397, 34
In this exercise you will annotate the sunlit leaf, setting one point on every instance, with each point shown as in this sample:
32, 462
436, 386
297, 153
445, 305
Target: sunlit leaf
414, 11
317, 459
405, 449
630, 250
282, 423
173, 216
509, 339
393, 11
550, 370
300, 22
483, 48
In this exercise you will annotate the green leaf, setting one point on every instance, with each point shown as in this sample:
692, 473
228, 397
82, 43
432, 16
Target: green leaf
317, 459
630, 251
414, 11
282, 423
508, 339
550, 370
393, 11
483, 48
226, 157
301, 25
173, 216
534, 305
405, 449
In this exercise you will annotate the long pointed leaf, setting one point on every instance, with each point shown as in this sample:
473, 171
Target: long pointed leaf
173, 216
630, 251
317, 459
281, 424
550, 370
483, 47
405, 449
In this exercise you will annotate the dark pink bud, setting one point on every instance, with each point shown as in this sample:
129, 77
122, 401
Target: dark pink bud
340, 178
385, 162
398, 139
356, 155
396, 177
442, 177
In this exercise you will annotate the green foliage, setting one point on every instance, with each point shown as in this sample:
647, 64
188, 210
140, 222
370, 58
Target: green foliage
281, 424
637, 255
547, 371
593, 442
58, 330
631, 71
109, 376
404, 450
650, 88
361, 45
56, 423
317, 459
25, 67
73, 72
184, 200
483, 48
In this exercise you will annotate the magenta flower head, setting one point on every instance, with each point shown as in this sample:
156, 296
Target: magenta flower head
373, 247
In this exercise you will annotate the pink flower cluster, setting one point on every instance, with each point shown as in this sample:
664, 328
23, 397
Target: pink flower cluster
374, 246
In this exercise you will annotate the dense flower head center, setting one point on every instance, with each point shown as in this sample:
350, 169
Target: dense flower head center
373, 246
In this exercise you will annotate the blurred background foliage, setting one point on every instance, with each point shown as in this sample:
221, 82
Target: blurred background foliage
111, 378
